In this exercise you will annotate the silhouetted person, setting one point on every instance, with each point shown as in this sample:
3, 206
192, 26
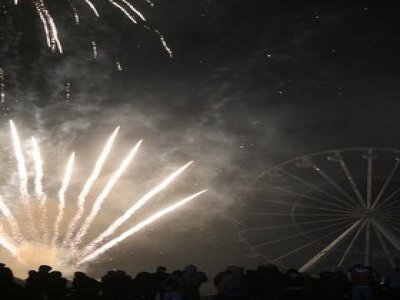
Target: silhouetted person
293, 285
84, 287
141, 286
9, 289
362, 282
192, 280
156, 280
173, 287
392, 283
231, 284
58, 286
116, 285
266, 282
38, 283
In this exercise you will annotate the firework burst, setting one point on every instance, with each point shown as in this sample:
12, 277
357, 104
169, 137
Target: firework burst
127, 8
28, 239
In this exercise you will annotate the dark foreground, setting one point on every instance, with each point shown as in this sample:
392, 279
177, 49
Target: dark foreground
234, 283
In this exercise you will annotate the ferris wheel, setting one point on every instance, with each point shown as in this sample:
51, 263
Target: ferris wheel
328, 209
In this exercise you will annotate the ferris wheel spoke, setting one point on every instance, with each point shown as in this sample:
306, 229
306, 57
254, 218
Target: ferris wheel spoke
340, 207
351, 244
338, 157
329, 247
334, 184
393, 224
291, 214
306, 245
369, 158
384, 201
296, 224
301, 205
387, 233
301, 233
316, 188
367, 244
386, 183
385, 248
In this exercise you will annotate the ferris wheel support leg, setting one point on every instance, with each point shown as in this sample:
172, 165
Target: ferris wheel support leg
351, 244
329, 247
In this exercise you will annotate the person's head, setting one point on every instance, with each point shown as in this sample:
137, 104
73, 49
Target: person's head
56, 274
190, 269
44, 269
161, 269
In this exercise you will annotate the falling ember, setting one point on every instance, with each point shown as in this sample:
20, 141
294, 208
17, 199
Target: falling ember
50, 29
2, 86
63, 250
94, 48
119, 66
67, 91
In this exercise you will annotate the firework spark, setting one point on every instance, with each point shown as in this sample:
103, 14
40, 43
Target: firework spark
123, 6
88, 186
61, 197
64, 251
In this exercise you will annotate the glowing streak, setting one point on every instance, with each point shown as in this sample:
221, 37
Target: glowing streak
106, 191
9, 247
38, 171
88, 185
126, 13
40, 195
75, 11
128, 214
165, 44
94, 47
45, 25
138, 227
93, 8
49, 26
5, 210
61, 197
23, 177
134, 10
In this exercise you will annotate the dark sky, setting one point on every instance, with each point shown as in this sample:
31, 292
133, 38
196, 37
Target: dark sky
252, 83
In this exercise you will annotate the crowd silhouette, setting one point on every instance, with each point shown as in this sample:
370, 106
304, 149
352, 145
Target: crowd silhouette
234, 283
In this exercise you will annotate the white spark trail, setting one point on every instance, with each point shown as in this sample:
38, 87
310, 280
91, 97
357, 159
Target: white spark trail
23, 176
40, 195
165, 44
88, 185
10, 247
104, 194
38, 171
124, 11
93, 8
136, 228
137, 12
11, 220
128, 214
49, 26
61, 196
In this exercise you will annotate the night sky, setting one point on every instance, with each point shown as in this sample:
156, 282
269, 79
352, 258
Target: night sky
252, 83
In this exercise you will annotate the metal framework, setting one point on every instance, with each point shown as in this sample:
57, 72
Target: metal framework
332, 208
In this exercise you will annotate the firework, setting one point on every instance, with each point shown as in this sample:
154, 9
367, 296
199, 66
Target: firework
123, 6
65, 249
